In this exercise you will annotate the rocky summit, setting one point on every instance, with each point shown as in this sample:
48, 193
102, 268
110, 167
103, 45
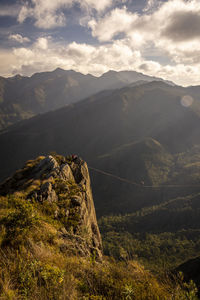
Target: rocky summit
62, 185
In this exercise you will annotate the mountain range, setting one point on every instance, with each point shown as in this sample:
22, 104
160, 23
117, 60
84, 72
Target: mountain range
24, 97
135, 132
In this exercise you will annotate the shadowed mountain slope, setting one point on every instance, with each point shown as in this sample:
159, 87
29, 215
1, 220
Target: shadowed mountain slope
24, 97
133, 132
191, 270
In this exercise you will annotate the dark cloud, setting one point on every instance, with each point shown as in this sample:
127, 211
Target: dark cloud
183, 26
144, 67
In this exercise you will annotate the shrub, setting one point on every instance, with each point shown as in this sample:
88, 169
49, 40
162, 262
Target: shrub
19, 222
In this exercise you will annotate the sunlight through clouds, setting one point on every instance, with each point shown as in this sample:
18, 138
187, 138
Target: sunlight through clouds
161, 39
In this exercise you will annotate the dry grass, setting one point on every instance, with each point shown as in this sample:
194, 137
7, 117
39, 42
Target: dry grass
32, 266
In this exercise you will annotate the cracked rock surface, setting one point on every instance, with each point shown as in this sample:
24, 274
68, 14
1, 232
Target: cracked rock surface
65, 187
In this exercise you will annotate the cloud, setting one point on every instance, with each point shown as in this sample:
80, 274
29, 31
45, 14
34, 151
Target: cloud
19, 38
7, 61
23, 14
41, 43
94, 4
46, 13
151, 4
45, 55
172, 29
183, 26
9, 10
117, 21
80, 57
49, 14
164, 42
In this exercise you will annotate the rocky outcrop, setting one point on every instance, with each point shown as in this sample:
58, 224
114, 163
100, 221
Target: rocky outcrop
62, 185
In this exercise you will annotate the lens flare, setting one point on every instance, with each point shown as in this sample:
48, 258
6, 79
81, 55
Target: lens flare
187, 101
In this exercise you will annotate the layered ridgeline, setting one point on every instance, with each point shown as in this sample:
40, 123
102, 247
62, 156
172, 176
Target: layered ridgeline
135, 132
23, 97
50, 245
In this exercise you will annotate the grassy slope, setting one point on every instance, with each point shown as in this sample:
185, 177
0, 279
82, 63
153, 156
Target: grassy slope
32, 266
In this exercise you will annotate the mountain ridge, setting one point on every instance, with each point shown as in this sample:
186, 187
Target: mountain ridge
23, 97
104, 122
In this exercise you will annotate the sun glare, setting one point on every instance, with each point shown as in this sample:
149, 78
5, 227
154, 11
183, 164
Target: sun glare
187, 100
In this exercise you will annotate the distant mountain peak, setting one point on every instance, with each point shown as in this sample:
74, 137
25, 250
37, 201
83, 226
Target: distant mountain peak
130, 76
110, 72
62, 71
58, 70
51, 90
17, 76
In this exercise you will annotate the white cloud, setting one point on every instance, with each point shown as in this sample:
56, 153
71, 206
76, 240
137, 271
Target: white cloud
19, 38
119, 20
126, 40
7, 62
23, 14
24, 55
41, 43
44, 55
173, 29
49, 14
80, 57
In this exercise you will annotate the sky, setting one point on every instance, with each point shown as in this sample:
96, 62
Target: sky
154, 37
